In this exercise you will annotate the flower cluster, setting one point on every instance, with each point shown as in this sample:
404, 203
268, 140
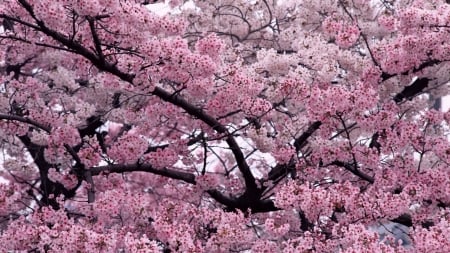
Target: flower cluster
210, 45
345, 34
64, 135
128, 148
90, 153
68, 180
162, 157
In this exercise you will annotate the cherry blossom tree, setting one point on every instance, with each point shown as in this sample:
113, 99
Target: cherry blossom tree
224, 126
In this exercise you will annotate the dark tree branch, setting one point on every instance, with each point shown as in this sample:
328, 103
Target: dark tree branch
302, 139
91, 187
354, 170
16, 68
25, 120
385, 76
93, 123
374, 142
97, 43
280, 171
8, 24
305, 224
47, 187
404, 219
412, 90
81, 171
243, 203
38, 156
120, 168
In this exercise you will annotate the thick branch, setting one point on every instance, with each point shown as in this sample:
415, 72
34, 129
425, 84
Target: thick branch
91, 189
47, 186
426, 64
120, 168
25, 120
93, 123
97, 43
301, 140
244, 203
412, 90
404, 219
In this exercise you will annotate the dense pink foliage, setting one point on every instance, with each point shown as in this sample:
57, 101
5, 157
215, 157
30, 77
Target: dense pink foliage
224, 126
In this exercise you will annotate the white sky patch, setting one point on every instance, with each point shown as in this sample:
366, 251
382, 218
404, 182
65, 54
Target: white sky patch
159, 8
445, 103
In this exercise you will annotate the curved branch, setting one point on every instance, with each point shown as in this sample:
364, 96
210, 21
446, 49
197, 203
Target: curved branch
120, 168
25, 120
